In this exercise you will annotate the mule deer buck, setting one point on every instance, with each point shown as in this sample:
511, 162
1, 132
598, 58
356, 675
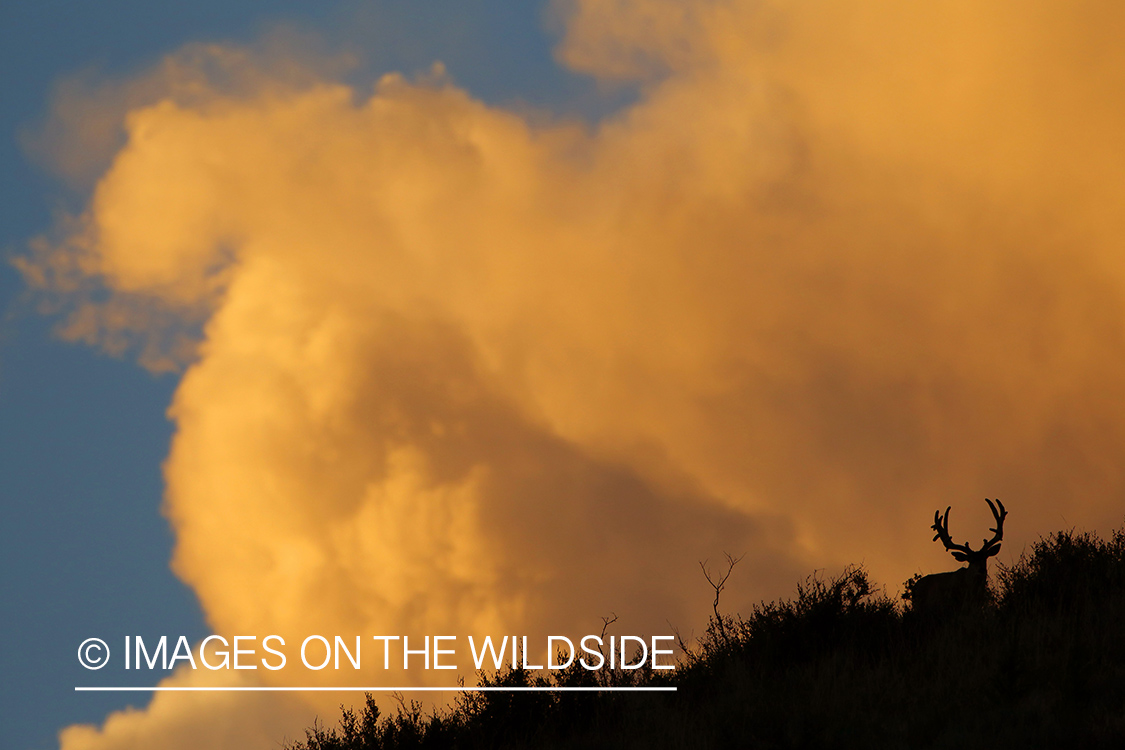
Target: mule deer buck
964, 588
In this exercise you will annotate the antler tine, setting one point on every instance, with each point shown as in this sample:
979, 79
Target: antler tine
998, 516
992, 546
941, 526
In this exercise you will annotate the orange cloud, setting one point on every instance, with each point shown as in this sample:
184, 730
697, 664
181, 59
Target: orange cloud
449, 369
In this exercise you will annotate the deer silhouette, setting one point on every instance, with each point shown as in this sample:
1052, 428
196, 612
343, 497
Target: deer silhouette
964, 588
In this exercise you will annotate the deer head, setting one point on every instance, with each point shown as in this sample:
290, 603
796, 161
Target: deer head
969, 585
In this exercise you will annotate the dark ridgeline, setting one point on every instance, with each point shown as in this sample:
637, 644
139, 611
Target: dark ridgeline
1037, 662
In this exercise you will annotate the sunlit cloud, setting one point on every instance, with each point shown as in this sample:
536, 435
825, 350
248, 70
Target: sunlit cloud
446, 368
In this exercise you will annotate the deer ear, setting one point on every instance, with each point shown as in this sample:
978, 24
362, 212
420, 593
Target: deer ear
994, 551
960, 556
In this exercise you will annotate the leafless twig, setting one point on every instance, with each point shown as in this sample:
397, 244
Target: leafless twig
606, 622
719, 585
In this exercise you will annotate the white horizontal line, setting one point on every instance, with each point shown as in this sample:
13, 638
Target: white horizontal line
380, 688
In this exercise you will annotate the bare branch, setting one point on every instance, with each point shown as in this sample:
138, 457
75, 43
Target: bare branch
606, 622
719, 586
722, 582
682, 643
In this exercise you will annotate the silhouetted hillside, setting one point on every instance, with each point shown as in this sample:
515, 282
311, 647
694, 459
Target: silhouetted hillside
841, 665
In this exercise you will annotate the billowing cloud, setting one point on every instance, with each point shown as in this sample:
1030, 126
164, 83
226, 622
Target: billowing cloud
199, 718
448, 369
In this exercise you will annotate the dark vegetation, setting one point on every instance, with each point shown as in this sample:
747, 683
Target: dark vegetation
1041, 665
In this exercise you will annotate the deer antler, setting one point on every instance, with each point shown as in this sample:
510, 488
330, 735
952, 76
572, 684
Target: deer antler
991, 546
963, 552
967, 587
941, 526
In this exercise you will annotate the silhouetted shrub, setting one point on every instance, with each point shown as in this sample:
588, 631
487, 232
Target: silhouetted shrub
838, 666
1064, 570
